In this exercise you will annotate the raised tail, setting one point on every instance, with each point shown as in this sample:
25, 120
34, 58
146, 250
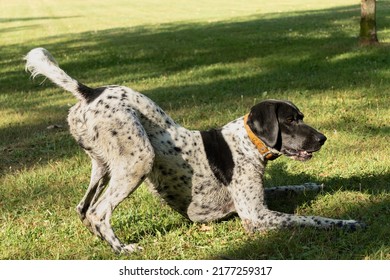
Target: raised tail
40, 62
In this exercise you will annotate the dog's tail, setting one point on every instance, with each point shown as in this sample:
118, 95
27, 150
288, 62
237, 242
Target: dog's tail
40, 62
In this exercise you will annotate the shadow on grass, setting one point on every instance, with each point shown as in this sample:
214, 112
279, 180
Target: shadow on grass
22, 19
305, 51
310, 243
26, 19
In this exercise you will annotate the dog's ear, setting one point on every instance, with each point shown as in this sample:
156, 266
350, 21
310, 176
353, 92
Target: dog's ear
263, 121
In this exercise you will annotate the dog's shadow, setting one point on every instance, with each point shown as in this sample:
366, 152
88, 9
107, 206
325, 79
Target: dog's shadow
288, 201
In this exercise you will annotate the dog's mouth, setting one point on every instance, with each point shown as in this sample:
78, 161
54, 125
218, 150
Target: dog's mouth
300, 155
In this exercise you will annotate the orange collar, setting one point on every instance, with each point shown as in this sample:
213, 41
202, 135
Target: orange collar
261, 147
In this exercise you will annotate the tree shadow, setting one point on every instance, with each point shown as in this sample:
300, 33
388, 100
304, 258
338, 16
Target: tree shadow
22, 19
281, 46
146, 52
26, 19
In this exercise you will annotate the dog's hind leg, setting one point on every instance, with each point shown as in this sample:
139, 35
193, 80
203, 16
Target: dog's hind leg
99, 180
130, 161
124, 180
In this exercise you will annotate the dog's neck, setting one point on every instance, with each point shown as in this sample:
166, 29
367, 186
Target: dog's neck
261, 147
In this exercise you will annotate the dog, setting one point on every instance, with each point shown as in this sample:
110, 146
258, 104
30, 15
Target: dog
204, 175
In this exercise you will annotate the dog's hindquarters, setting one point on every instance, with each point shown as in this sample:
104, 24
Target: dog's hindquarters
121, 159
109, 130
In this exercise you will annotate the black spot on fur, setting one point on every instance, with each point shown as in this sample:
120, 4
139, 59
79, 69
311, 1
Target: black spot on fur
97, 228
81, 144
123, 97
90, 94
218, 155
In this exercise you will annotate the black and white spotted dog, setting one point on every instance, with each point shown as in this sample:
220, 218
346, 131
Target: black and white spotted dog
204, 175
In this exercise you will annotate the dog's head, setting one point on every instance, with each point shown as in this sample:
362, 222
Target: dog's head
279, 124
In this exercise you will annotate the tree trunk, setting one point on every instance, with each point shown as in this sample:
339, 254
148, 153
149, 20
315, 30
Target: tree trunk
368, 23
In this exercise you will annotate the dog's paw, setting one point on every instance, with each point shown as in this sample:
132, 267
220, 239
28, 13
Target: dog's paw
356, 225
131, 248
350, 225
313, 187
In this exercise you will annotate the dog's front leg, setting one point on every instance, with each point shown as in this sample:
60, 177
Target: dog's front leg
307, 187
255, 216
268, 219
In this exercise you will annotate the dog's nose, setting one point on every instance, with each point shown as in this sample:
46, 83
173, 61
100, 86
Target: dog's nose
321, 138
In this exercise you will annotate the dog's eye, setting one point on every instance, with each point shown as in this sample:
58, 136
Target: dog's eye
290, 120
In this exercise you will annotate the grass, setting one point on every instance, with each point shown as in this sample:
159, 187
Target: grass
205, 64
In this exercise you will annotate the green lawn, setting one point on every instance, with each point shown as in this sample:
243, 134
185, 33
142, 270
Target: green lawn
205, 63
